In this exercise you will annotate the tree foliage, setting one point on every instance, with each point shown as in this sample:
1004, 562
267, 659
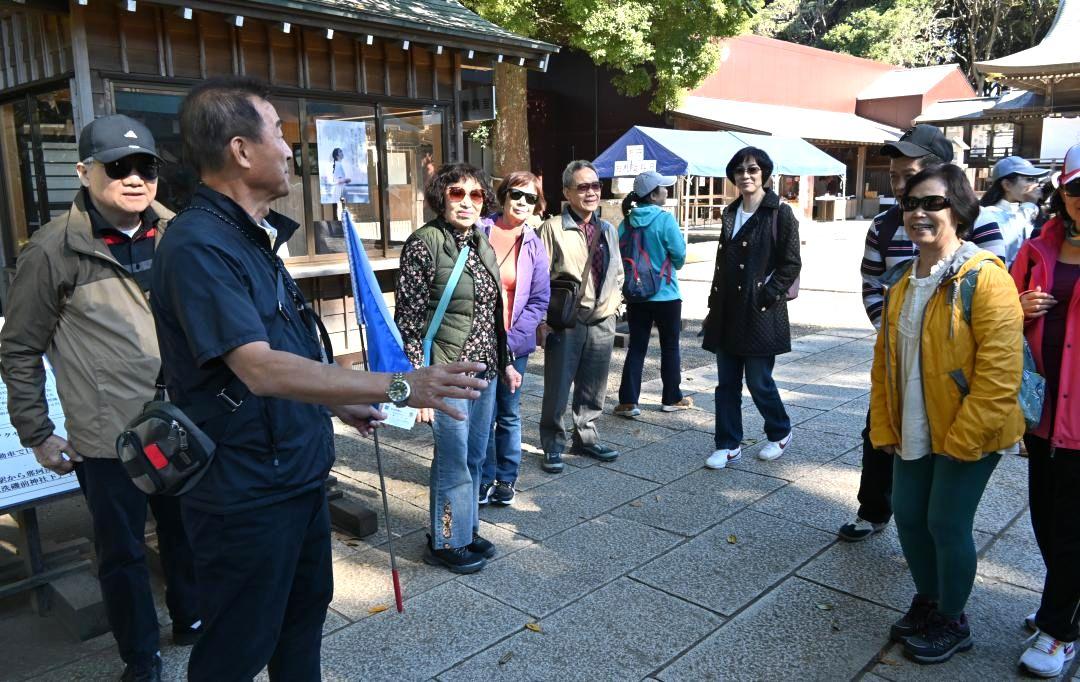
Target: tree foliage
662, 47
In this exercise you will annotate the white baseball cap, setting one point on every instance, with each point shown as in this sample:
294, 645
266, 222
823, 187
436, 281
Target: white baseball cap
1071, 169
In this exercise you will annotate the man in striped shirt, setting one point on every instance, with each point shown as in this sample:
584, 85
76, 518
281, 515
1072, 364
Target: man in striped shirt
887, 246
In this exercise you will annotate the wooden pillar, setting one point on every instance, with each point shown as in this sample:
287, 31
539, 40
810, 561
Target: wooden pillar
82, 96
860, 179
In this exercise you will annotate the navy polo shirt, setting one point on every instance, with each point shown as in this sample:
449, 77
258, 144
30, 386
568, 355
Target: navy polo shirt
213, 290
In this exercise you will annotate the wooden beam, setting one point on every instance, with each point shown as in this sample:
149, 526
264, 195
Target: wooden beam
363, 68
271, 75
333, 63
82, 96
202, 44
18, 43
358, 65
386, 68
159, 29
170, 64
410, 70
124, 65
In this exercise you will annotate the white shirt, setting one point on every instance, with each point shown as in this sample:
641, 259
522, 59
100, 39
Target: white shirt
271, 232
1014, 222
740, 219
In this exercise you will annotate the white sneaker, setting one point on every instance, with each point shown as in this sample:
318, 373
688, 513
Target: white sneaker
1047, 657
721, 458
774, 449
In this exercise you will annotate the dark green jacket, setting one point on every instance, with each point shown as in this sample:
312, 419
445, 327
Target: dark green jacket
457, 322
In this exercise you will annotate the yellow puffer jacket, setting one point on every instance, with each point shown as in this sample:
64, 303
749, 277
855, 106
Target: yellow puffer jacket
970, 373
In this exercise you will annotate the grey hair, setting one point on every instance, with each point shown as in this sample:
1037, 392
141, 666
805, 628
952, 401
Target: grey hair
88, 161
574, 167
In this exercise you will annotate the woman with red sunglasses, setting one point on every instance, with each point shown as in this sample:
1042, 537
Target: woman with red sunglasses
1047, 273
472, 328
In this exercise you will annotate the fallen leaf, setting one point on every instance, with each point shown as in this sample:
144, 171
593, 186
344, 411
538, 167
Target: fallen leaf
535, 627
824, 607
884, 660
635, 503
731, 539
379, 608
506, 658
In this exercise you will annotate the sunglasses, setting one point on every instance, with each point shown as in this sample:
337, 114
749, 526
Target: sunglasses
146, 166
931, 203
530, 198
1072, 189
586, 186
749, 170
458, 193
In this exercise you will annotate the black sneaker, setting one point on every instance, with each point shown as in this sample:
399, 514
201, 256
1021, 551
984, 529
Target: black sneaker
914, 621
485, 493
186, 635
552, 463
941, 638
481, 546
597, 451
860, 529
148, 671
455, 559
503, 494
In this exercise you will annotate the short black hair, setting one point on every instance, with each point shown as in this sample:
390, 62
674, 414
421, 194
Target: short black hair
216, 111
759, 155
965, 205
448, 174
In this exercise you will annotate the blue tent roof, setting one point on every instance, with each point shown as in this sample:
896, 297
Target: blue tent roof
706, 153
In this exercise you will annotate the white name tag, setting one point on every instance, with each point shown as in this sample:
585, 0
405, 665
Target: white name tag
401, 417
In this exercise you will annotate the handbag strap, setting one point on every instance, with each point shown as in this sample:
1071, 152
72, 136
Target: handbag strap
444, 302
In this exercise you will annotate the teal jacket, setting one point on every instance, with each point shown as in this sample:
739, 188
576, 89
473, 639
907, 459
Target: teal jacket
662, 238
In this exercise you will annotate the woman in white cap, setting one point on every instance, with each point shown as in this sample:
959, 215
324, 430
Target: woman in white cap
1012, 202
1047, 273
652, 248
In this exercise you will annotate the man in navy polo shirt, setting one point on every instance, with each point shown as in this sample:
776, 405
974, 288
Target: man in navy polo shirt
235, 333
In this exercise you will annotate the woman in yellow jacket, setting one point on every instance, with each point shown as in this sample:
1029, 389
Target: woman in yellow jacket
944, 401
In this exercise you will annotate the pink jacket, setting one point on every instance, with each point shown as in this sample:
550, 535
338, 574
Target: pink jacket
1034, 266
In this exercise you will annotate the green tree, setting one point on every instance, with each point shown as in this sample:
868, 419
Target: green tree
662, 47
905, 33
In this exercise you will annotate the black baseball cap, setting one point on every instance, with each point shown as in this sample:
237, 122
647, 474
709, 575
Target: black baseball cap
919, 141
113, 137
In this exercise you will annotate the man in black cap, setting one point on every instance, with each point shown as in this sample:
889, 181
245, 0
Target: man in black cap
887, 246
80, 297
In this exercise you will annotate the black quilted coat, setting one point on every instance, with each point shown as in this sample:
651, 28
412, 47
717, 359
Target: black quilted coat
748, 308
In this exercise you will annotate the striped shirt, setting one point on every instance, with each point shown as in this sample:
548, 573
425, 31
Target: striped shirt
878, 258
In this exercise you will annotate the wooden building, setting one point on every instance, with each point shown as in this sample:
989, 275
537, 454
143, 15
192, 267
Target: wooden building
385, 77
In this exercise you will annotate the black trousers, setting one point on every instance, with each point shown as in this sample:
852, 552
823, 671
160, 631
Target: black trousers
875, 483
265, 582
1054, 495
640, 317
118, 511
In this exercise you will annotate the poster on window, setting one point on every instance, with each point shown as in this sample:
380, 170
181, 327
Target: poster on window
343, 165
22, 480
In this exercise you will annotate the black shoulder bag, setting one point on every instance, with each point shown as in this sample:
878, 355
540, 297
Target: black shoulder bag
566, 293
163, 449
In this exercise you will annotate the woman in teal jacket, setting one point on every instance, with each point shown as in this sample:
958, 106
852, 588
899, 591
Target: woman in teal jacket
658, 235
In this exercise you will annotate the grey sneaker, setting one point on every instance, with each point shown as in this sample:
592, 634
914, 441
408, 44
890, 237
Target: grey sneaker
552, 463
627, 410
860, 529
485, 493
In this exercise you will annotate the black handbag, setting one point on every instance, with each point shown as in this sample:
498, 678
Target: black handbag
566, 293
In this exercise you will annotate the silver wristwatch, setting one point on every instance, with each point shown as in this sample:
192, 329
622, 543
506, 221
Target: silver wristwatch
399, 390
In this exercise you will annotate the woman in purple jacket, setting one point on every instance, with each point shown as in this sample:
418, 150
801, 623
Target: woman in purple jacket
523, 270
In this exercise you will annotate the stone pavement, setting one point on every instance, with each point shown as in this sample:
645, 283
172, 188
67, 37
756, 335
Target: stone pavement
651, 567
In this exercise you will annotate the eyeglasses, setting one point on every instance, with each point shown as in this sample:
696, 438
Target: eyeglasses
748, 170
458, 193
1072, 189
530, 198
586, 186
931, 203
146, 166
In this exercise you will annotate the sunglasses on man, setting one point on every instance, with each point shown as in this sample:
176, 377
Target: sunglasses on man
146, 166
458, 194
586, 186
517, 195
930, 204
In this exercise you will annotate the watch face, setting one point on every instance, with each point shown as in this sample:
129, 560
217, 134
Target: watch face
398, 390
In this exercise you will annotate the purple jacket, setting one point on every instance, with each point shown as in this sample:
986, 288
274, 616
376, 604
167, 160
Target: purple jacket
532, 293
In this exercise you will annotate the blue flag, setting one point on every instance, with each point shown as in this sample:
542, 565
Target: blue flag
386, 352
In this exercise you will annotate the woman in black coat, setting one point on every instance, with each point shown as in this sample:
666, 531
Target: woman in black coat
757, 261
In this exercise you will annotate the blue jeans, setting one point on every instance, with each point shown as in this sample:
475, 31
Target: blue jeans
460, 449
504, 449
758, 370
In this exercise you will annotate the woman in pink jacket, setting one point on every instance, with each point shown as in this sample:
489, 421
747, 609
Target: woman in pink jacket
1047, 273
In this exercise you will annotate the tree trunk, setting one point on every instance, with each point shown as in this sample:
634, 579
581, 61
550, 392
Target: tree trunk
510, 137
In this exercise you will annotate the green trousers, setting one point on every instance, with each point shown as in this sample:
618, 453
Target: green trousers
934, 501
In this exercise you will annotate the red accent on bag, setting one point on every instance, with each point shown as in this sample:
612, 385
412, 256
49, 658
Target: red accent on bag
156, 456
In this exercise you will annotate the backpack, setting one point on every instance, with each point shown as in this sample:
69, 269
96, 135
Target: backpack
1032, 384
642, 281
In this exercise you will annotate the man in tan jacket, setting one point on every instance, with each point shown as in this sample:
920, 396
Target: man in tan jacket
581, 354
80, 297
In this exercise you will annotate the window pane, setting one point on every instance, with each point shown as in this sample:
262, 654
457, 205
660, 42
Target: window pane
19, 171
344, 166
158, 110
414, 149
59, 151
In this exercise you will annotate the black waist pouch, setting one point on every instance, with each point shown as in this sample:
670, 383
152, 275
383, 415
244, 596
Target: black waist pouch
163, 451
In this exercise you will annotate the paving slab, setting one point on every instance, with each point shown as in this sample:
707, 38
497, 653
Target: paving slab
622, 631
548, 575
700, 417
574, 497
699, 500
824, 499
807, 451
31, 645
1014, 557
1005, 498
667, 459
754, 424
438, 628
816, 343
848, 419
825, 635
996, 612
407, 475
728, 566
822, 394
405, 518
